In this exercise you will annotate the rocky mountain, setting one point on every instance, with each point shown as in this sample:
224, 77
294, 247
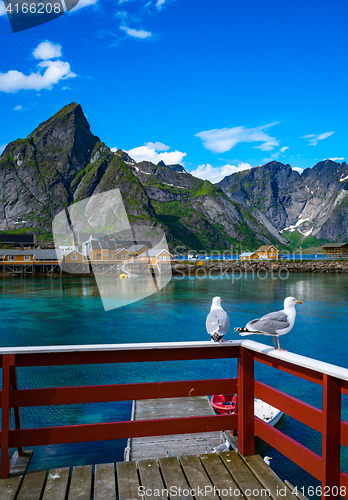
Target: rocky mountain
314, 203
62, 162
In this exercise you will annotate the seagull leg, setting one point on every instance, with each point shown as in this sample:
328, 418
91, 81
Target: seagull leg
279, 349
274, 342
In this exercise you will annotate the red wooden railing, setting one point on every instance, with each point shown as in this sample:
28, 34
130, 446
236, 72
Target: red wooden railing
326, 468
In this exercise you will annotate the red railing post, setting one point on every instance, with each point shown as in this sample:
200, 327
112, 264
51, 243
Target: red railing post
7, 360
246, 423
331, 444
17, 411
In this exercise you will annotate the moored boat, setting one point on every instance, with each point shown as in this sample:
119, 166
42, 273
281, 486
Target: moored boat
226, 403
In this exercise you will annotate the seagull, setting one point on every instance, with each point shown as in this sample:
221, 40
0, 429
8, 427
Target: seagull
268, 460
217, 322
274, 323
222, 447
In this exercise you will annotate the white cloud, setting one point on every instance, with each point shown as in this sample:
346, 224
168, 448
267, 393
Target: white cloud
13, 80
216, 174
160, 3
47, 50
149, 153
298, 169
136, 33
279, 153
336, 159
2, 147
222, 140
313, 138
158, 146
18, 107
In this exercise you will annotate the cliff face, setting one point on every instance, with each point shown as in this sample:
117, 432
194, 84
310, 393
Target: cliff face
62, 162
314, 203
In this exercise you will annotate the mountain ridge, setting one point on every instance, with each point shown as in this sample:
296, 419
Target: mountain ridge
62, 162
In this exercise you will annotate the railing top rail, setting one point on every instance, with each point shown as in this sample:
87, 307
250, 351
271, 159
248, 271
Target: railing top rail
296, 359
289, 357
116, 347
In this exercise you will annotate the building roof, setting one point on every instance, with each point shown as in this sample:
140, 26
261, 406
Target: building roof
154, 252
104, 245
17, 239
42, 254
130, 243
71, 251
112, 245
118, 250
39, 254
95, 245
264, 248
136, 248
335, 245
16, 252
247, 254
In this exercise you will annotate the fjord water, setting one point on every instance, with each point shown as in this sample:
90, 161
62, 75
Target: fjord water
59, 311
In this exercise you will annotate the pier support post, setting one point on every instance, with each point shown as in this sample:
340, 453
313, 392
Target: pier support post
331, 443
246, 425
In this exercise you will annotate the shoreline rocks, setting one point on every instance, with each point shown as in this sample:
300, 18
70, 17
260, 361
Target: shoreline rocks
237, 266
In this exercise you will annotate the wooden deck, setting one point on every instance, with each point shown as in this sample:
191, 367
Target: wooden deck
159, 446
226, 476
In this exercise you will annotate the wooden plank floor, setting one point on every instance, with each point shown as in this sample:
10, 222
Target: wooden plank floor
158, 446
208, 476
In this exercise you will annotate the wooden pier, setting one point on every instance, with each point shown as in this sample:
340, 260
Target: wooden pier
208, 476
162, 446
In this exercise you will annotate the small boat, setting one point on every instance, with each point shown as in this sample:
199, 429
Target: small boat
226, 403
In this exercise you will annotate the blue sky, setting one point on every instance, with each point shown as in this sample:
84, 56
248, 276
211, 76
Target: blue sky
217, 86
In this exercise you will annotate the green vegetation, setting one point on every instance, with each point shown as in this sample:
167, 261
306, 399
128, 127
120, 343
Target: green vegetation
300, 242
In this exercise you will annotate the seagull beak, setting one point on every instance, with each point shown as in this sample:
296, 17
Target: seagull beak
298, 301
221, 300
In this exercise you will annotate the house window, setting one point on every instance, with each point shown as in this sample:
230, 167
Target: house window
123, 256
105, 253
11, 257
160, 257
98, 256
272, 254
74, 257
26, 257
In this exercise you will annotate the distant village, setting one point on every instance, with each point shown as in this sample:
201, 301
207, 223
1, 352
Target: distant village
100, 253
87, 253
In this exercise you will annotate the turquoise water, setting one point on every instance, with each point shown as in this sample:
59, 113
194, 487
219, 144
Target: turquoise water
53, 311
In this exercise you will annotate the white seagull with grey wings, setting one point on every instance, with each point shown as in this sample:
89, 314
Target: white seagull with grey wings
217, 322
273, 324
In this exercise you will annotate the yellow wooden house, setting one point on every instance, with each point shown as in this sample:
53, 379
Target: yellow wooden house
136, 251
73, 257
249, 256
121, 254
156, 257
268, 252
